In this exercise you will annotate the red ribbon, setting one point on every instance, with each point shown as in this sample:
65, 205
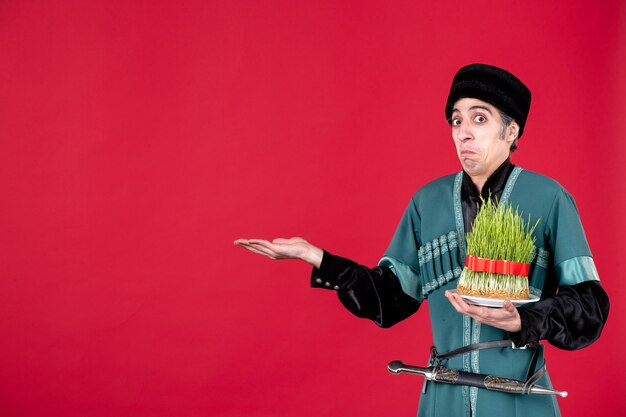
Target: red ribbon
478, 264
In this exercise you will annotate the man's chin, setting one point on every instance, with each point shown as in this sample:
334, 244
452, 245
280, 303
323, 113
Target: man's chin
470, 165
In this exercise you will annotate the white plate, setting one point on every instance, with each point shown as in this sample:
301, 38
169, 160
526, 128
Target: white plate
494, 302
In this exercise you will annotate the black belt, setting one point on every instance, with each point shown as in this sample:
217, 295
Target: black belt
532, 376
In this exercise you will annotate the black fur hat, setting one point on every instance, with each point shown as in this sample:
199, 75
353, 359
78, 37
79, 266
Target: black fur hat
493, 85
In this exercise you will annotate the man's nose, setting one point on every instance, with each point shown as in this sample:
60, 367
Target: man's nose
465, 133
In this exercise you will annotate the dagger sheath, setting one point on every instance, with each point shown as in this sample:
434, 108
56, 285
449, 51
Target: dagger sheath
453, 376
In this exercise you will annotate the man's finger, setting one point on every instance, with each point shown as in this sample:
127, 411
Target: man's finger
253, 249
266, 250
508, 306
257, 241
278, 250
281, 240
454, 302
261, 250
265, 243
465, 307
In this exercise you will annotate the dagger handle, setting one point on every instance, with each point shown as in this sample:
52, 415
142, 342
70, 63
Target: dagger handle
397, 367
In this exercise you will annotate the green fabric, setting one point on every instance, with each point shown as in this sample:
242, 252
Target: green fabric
427, 254
411, 284
577, 270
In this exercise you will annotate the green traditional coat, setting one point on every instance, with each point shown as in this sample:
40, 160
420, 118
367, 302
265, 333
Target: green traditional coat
427, 255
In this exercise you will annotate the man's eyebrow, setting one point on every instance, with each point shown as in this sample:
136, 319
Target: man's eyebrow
482, 108
474, 108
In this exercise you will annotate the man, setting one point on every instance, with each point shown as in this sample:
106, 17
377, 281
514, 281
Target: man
487, 110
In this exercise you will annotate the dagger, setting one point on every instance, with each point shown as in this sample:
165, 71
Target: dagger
452, 376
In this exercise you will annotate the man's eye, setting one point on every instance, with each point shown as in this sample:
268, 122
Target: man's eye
480, 119
455, 122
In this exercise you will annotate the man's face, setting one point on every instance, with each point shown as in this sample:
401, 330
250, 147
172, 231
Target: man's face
481, 144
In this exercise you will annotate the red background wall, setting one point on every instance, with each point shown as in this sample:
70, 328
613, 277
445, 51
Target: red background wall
139, 139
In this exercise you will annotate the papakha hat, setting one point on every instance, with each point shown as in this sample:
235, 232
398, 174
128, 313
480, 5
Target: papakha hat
493, 85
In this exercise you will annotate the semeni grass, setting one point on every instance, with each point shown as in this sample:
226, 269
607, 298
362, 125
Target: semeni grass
498, 233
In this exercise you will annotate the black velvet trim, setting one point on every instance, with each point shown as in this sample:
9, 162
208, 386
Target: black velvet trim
571, 320
329, 275
371, 293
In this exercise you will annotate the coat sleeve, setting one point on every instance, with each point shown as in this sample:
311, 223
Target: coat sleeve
574, 317
371, 293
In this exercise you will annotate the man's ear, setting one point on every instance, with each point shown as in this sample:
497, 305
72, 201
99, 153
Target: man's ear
512, 132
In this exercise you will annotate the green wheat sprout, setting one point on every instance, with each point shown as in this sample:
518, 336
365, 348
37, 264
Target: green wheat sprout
500, 233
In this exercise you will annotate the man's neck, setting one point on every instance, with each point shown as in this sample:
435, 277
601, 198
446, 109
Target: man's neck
480, 180
493, 184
